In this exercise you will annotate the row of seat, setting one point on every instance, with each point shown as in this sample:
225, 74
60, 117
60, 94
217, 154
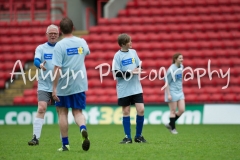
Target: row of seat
38, 31
92, 73
18, 48
167, 54
139, 46
147, 90
152, 37
160, 46
214, 85
27, 24
13, 57
178, 3
35, 40
213, 98
154, 99
5, 75
23, 5
148, 62
156, 19
235, 9
159, 28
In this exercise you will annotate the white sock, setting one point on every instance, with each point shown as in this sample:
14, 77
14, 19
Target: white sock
37, 127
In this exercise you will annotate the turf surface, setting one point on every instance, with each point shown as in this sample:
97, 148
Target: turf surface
220, 142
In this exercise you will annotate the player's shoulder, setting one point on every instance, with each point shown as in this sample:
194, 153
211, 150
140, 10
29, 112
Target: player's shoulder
41, 45
79, 39
171, 67
132, 50
117, 53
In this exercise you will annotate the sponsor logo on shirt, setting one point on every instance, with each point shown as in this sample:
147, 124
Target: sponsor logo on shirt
178, 76
126, 62
47, 55
73, 51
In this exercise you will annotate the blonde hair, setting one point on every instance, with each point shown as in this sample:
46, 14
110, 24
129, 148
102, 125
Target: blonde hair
52, 26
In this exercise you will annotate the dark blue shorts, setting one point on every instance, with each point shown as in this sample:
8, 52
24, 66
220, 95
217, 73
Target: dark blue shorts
77, 101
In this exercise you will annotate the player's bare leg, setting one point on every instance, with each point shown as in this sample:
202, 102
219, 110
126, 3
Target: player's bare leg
171, 125
63, 124
80, 121
38, 123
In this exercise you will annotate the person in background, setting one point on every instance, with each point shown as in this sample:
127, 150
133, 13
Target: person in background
174, 91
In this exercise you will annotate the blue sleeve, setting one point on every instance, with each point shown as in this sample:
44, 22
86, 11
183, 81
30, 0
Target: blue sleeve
37, 62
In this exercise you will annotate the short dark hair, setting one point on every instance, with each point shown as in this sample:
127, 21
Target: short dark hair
66, 25
123, 39
175, 56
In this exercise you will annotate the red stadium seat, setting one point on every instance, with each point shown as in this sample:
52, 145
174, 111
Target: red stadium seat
31, 100
2, 84
30, 92
19, 101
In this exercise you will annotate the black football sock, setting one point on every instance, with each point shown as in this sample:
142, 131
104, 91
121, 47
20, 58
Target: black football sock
176, 117
172, 122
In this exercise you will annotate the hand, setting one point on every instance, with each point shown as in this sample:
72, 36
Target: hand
55, 97
42, 66
169, 97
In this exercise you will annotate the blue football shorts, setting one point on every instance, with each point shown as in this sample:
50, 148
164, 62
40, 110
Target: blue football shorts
76, 101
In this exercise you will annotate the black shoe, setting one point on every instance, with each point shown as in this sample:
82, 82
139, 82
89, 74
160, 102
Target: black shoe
34, 141
86, 142
140, 139
126, 140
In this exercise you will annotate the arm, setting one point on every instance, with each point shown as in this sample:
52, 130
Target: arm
119, 73
169, 80
55, 82
38, 64
168, 93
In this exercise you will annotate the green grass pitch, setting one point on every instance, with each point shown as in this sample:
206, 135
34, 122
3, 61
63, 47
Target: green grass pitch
203, 142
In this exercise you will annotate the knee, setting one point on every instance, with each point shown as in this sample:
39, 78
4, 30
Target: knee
140, 111
41, 109
181, 111
126, 112
172, 111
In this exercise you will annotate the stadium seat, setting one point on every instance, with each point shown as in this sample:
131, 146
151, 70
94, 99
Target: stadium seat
216, 98
19, 101
2, 84
30, 92
31, 100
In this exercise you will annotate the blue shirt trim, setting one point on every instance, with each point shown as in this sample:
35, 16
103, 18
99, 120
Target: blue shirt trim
52, 45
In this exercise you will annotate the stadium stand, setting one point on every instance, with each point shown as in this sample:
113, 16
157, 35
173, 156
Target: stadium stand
22, 28
201, 30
